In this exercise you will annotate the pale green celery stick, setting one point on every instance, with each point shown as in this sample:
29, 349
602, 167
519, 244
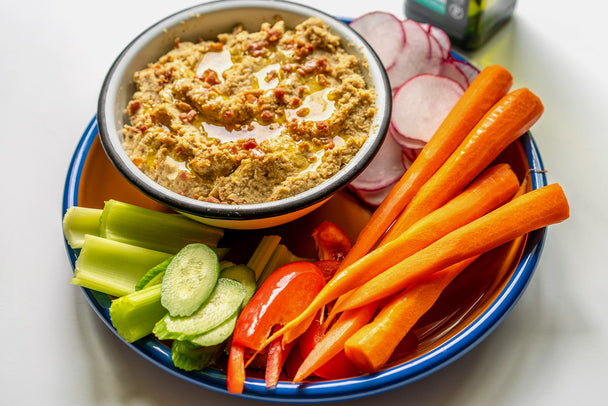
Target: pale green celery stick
79, 221
113, 267
135, 315
190, 357
226, 264
279, 257
220, 252
152, 276
262, 254
155, 230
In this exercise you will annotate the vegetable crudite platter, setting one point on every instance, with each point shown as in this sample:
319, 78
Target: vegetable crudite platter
398, 274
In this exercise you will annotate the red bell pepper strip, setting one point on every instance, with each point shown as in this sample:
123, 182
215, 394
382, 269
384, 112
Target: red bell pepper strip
277, 354
328, 267
281, 298
338, 367
331, 241
235, 374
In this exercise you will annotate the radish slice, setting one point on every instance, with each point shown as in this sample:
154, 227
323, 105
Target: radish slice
469, 70
414, 58
374, 197
449, 69
406, 161
384, 169
403, 141
442, 38
421, 104
384, 32
411, 154
436, 51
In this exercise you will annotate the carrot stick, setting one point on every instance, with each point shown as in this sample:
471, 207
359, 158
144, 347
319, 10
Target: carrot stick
493, 188
533, 210
373, 344
510, 118
489, 86
333, 341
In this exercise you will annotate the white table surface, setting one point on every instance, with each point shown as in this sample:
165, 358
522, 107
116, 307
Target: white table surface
551, 349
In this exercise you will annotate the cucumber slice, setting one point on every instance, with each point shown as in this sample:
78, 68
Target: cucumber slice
244, 275
189, 279
224, 302
190, 357
218, 335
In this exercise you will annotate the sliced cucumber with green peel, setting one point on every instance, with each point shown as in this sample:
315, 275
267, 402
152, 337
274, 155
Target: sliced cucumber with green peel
218, 335
224, 301
189, 279
190, 357
244, 275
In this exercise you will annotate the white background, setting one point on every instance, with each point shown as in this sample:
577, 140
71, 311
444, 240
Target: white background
54, 350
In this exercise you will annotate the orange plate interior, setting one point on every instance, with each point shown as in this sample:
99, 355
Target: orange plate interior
465, 299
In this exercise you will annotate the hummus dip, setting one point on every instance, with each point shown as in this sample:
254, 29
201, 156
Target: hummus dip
249, 117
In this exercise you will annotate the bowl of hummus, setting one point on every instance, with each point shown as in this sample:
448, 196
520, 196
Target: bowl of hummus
244, 114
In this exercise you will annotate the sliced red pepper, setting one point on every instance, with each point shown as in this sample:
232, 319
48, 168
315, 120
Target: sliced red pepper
331, 241
338, 367
328, 267
282, 297
235, 374
277, 354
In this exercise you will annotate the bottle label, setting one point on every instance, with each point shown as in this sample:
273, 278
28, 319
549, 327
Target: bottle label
455, 10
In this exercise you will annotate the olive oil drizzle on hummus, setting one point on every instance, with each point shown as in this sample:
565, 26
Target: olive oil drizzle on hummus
253, 117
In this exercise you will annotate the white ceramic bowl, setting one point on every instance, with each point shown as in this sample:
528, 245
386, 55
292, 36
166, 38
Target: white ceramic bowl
207, 21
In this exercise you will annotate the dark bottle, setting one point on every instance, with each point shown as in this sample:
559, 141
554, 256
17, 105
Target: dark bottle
468, 23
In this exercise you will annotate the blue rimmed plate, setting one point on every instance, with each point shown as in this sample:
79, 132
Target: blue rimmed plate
91, 179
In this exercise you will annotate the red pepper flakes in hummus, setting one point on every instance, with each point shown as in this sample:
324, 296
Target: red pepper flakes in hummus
249, 117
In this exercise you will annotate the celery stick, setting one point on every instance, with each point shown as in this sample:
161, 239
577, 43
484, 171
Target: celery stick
191, 357
79, 221
135, 315
152, 229
279, 257
262, 254
113, 267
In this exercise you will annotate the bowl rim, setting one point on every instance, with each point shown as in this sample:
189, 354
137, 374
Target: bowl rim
113, 148
344, 389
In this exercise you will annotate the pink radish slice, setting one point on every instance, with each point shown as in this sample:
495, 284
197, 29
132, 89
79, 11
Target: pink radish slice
411, 154
413, 59
375, 197
469, 70
403, 141
436, 51
442, 38
384, 169
384, 32
406, 161
421, 104
450, 70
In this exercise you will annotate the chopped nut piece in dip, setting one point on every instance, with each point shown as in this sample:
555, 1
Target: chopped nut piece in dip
251, 117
